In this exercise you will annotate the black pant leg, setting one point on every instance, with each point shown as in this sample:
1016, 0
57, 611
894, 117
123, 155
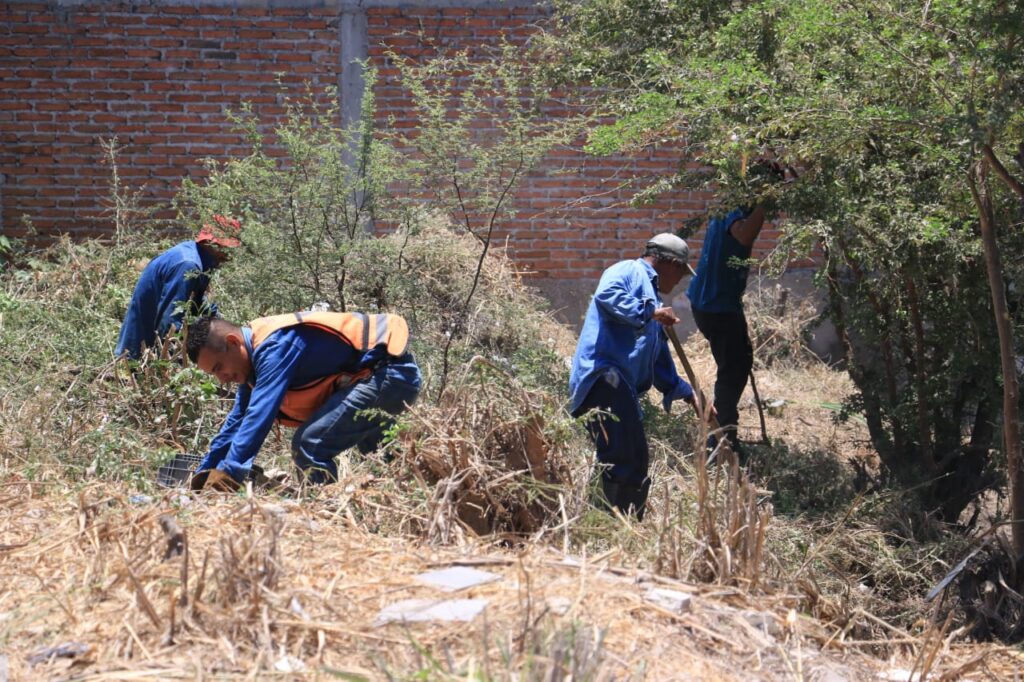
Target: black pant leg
734, 356
620, 441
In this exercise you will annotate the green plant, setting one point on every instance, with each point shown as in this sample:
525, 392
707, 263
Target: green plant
900, 121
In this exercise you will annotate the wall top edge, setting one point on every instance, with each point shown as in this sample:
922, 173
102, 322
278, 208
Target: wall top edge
343, 5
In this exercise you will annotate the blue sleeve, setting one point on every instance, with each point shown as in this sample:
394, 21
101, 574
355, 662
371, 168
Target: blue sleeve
274, 365
666, 378
133, 334
178, 285
222, 441
618, 298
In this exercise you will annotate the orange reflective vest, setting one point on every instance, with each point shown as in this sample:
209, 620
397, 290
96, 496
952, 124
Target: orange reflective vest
360, 331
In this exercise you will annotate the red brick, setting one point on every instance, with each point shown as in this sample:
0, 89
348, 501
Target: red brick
30, 28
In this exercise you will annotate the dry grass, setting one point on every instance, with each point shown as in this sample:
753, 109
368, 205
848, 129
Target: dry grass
489, 455
257, 586
491, 473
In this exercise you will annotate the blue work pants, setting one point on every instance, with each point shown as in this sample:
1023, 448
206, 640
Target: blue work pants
338, 424
621, 443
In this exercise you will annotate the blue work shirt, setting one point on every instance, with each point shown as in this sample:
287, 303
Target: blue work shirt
178, 274
719, 285
288, 358
619, 333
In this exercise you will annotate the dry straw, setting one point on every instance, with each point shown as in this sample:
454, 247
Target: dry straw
183, 587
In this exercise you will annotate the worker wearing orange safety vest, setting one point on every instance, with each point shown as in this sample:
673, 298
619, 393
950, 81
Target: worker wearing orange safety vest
316, 371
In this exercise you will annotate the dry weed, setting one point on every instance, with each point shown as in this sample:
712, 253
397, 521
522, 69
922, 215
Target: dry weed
493, 452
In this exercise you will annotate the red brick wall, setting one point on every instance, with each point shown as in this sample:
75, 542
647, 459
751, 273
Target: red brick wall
571, 224
160, 77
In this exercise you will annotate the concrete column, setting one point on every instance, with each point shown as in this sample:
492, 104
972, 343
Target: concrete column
354, 43
354, 50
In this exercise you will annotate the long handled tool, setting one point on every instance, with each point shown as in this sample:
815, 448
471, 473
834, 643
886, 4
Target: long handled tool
703, 408
702, 401
760, 410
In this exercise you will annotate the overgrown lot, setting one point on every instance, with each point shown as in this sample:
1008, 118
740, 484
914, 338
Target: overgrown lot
491, 468
808, 560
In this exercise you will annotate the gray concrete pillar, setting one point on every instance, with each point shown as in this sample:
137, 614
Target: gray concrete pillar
353, 42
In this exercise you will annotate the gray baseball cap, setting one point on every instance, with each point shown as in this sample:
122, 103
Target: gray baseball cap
670, 246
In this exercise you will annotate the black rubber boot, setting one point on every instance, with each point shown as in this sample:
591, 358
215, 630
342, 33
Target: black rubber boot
628, 498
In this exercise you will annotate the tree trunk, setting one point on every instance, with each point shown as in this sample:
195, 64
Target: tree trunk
1011, 419
872, 404
924, 433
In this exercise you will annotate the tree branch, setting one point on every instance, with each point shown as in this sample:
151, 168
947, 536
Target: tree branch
1001, 170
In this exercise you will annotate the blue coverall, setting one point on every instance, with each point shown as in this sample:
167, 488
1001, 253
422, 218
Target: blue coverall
177, 275
621, 353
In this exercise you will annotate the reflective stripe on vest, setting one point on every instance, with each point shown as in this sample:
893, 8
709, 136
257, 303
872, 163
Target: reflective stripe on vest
360, 331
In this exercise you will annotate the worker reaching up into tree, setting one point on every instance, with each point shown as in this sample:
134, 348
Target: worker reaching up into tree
621, 353
174, 281
317, 371
716, 299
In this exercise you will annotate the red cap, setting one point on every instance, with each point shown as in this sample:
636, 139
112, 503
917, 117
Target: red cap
224, 232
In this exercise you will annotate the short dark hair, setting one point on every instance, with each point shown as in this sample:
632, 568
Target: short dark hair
204, 333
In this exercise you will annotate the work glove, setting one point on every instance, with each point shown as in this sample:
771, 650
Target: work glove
218, 480
214, 479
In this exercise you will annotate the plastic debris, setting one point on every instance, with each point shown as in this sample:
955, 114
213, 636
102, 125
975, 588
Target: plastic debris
558, 605
774, 406
670, 600
66, 650
420, 610
457, 578
295, 606
289, 664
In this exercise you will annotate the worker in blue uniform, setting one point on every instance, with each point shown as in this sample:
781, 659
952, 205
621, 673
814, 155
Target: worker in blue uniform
716, 299
315, 371
621, 353
172, 282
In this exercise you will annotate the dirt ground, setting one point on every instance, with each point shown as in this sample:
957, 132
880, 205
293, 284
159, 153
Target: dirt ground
103, 584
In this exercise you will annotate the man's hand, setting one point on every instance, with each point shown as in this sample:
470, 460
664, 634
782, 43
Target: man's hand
666, 316
712, 412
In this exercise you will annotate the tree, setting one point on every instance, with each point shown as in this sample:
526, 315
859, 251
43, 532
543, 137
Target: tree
482, 129
900, 116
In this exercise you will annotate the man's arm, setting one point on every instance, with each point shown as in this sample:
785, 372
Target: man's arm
616, 296
745, 230
221, 443
274, 365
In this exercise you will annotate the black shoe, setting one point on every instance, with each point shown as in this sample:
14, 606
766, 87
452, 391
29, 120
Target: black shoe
742, 456
629, 498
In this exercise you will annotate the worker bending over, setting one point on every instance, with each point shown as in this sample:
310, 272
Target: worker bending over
316, 371
172, 282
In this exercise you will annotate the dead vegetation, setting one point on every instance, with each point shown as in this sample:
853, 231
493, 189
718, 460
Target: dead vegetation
794, 568
487, 452
107, 586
